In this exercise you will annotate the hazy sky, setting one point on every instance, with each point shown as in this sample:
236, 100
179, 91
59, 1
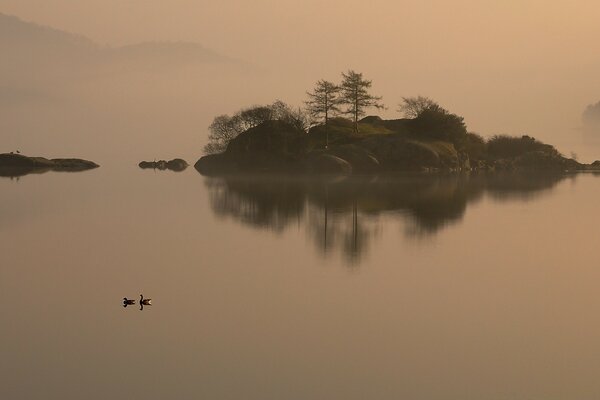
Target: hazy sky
526, 66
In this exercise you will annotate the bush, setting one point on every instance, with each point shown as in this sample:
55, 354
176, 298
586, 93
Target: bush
503, 146
475, 146
439, 124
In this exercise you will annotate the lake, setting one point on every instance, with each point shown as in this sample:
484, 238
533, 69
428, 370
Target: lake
395, 287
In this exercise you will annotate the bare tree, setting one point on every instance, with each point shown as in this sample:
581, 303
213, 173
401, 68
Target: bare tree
224, 128
323, 102
412, 107
295, 117
354, 93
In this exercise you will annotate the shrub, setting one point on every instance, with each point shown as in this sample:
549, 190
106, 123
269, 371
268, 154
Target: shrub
503, 146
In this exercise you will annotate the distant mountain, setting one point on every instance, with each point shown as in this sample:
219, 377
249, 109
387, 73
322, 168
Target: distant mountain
15, 32
32, 55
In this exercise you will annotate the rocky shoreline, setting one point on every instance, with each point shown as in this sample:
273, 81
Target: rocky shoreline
276, 147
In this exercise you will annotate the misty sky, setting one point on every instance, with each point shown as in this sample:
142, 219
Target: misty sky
508, 67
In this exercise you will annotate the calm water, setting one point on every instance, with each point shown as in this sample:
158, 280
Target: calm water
411, 287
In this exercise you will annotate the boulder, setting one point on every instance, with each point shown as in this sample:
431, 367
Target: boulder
177, 164
395, 152
270, 146
72, 164
323, 163
215, 164
361, 159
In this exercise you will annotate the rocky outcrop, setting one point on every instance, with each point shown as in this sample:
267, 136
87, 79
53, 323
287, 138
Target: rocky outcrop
381, 146
17, 164
324, 163
360, 159
273, 146
176, 164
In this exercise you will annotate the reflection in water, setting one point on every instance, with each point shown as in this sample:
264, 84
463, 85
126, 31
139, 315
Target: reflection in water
15, 173
18, 172
344, 213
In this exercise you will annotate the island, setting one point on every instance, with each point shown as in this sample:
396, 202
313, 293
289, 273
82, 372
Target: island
401, 145
329, 136
14, 164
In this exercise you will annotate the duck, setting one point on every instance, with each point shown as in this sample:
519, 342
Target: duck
145, 302
127, 302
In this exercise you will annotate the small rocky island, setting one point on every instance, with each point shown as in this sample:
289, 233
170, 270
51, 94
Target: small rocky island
176, 164
328, 137
402, 145
12, 164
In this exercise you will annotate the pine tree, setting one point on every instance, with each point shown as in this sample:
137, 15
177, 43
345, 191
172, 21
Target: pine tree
354, 93
323, 102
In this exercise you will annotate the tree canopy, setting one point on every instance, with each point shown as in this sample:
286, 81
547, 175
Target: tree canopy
225, 127
355, 94
412, 107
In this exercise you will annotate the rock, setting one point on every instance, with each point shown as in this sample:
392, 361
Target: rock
323, 163
273, 146
72, 164
215, 164
177, 165
270, 146
546, 161
395, 152
18, 164
361, 159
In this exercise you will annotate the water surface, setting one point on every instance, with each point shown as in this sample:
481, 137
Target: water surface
438, 287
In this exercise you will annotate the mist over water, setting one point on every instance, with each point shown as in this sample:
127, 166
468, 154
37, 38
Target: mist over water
507, 68
457, 286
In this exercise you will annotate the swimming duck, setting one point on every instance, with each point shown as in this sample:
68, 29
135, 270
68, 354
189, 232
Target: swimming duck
145, 302
127, 302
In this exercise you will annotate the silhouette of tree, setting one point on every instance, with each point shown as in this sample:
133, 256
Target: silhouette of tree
323, 102
355, 93
412, 107
224, 128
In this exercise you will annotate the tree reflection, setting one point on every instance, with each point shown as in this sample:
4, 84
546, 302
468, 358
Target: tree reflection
344, 213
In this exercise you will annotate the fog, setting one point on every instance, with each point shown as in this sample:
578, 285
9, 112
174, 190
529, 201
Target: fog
515, 67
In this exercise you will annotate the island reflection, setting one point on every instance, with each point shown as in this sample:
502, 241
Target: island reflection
344, 213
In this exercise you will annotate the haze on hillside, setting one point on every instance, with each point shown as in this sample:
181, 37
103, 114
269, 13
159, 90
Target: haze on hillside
514, 67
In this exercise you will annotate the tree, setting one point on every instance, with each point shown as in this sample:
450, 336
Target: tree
323, 102
354, 93
224, 128
412, 107
283, 112
439, 124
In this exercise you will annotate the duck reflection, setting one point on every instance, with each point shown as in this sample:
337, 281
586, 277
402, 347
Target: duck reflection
345, 213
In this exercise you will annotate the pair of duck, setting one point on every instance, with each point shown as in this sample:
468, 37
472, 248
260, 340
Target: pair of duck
143, 301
